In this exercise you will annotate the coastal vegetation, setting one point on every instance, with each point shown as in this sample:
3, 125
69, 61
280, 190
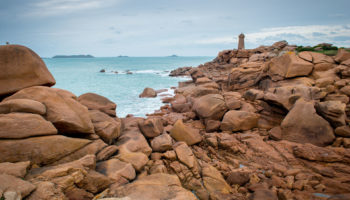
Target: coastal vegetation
324, 48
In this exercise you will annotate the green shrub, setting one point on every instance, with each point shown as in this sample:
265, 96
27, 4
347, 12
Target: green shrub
301, 48
329, 48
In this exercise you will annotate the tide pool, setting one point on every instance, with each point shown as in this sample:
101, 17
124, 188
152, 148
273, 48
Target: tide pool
81, 75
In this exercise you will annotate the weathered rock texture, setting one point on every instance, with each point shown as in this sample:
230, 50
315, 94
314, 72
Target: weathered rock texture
262, 123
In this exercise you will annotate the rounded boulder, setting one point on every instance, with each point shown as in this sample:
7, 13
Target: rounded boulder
21, 68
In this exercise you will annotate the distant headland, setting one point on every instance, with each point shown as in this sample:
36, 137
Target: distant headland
73, 56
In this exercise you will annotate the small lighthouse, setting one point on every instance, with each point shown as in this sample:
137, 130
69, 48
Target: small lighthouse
241, 41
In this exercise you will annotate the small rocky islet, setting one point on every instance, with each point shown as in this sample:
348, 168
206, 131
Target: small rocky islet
264, 123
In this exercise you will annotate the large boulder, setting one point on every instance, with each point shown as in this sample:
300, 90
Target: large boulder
316, 58
342, 55
22, 105
105, 126
196, 91
39, 150
181, 132
211, 106
63, 110
132, 140
185, 154
137, 159
162, 143
151, 127
97, 102
23, 125
288, 65
235, 120
303, 125
148, 93
245, 76
213, 180
155, 186
21, 68
285, 96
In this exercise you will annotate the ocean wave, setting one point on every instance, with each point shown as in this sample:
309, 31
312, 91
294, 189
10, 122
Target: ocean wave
149, 71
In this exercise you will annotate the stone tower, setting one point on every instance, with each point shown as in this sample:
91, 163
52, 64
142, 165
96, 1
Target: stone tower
241, 41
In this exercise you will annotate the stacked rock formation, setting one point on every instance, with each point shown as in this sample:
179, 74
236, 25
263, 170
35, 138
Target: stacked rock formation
274, 122
254, 124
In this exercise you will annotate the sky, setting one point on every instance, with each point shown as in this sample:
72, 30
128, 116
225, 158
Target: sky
166, 27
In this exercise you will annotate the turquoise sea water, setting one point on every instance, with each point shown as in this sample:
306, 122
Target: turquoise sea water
81, 75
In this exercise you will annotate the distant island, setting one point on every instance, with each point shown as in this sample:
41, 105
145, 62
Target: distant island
173, 56
73, 56
123, 56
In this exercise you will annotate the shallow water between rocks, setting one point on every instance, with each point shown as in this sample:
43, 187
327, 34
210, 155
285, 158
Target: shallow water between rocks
82, 75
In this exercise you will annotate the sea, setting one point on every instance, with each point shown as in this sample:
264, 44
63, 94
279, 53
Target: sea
82, 75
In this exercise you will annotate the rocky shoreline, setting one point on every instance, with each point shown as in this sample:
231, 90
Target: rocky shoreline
262, 123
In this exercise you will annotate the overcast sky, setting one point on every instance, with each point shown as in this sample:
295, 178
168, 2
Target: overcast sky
165, 27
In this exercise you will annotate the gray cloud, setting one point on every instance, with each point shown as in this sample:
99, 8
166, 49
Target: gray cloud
318, 34
341, 38
158, 27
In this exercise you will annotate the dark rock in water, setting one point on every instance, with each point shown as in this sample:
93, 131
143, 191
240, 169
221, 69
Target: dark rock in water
147, 93
116, 72
102, 70
128, 72
182, 71
73, 56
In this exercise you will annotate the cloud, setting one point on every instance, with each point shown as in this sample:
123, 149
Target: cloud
304, 35
59, 7
217, 40
341, 38
318, 34
337, 15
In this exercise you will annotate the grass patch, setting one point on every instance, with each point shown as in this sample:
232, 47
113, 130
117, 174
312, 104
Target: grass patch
328, 52
324, 48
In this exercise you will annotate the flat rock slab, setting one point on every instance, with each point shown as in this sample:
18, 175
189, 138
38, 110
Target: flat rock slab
22, 105
18, 169
23, 125
39, 150
155, 186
